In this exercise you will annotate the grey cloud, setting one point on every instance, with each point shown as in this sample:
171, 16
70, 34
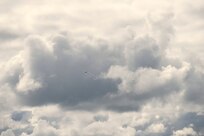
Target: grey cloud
21, 116
3, 129
101, 118
8, 132
7, 36
111, 68
52, 71
24, 130
99, 123
143, 52
194, 87
191, 118
57, 75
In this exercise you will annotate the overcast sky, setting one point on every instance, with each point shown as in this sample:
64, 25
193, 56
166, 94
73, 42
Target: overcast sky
101, 68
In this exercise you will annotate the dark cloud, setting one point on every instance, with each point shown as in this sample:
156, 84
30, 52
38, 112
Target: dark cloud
193, 119
8, 35
24, 130
143, 52
54, 71
21, 116
194, 87
58, 75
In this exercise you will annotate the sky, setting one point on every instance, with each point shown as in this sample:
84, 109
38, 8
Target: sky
101, 68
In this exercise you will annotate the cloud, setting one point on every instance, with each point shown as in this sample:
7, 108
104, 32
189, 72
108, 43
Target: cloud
21, 116
60, 122
184, 132
57, 71
43, 128
156, 128
7, 133
57, 67
101, 68
195, 120
194, 91
80, 73
86, 74
6, 36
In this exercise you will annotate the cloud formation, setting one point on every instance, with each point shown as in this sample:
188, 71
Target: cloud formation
101, 68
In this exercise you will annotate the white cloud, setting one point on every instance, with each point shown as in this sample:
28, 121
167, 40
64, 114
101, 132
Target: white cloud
101, 67
185, 132
156, 128
7, 133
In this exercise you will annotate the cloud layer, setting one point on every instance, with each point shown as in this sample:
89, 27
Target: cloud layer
101, 68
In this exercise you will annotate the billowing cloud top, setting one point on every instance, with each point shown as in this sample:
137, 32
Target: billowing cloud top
101, 68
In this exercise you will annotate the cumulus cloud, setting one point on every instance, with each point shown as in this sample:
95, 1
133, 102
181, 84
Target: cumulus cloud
185, 132
156, 128
101, 68
59, 73
57, 68
7, 133
21, 116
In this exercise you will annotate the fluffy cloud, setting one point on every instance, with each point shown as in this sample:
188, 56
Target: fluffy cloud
55, 121
156, 128
185, 132
101, 68
83, 73
58, 71
7, 133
